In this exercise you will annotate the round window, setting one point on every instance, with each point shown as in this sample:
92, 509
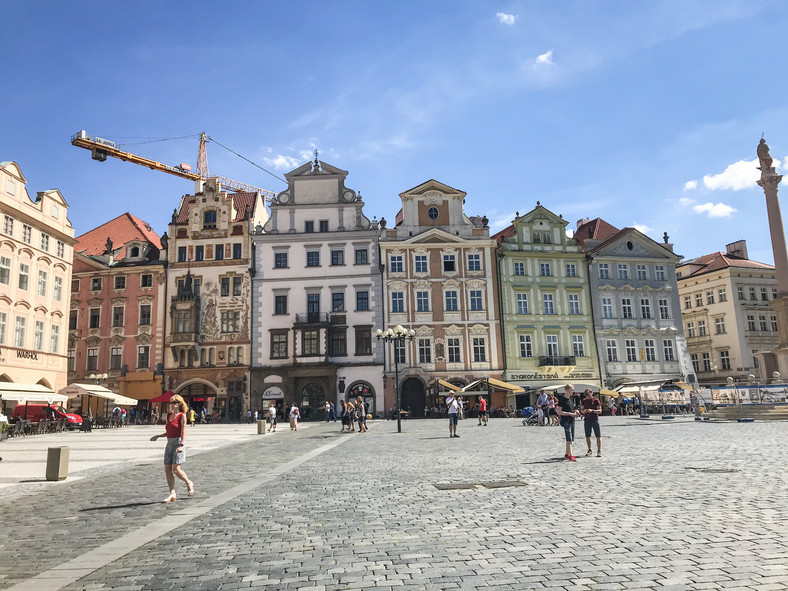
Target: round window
629, 245
433, 213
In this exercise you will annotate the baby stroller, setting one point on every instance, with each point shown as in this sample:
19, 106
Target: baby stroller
531, 416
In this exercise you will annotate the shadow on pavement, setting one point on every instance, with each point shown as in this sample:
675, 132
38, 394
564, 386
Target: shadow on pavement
123, 506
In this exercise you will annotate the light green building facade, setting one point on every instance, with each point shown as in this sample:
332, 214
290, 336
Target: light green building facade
547, 320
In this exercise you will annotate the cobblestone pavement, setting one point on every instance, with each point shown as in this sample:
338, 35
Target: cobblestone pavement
670, 505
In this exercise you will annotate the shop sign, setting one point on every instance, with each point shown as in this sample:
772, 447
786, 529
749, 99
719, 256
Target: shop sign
33, 355
533, 376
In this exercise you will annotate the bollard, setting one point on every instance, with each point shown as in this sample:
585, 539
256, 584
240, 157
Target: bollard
57, 463
261, 427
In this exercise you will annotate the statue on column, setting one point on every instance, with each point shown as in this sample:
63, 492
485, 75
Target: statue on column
763, 155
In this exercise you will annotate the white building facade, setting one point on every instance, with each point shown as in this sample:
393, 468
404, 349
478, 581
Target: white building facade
316, 297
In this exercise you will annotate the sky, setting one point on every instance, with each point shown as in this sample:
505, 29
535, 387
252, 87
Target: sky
646, 114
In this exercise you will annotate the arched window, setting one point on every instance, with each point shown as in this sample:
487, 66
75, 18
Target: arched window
135, 251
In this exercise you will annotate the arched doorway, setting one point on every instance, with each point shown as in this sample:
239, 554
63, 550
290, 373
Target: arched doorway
313, 398
367, 393
199, 396
412, 397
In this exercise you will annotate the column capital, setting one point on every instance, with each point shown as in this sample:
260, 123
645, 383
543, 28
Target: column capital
770, 180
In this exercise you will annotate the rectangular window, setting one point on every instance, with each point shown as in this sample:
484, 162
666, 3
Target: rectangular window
706, 358
722, 296
607, 308
72, 320
362, 301
544, 269
425, 352
764, 295
449, 263
612, 350
479, 349
659, 273
115, 357
237, 283
395, 263
691, 329
604, 271
92, 362
522, 303
54, 339
631, 349
61, 249
755, 362
362, 256
95, 318
422, 301
338, 302
280, 260
645, 308
3, 323
753, 297
399, 352
751, 322
574, 303
453, 349
45, 242
477, 304
397, 302
24, 276
623, 271
71, 364
421, 263
519, 269
667, 350
324, 225
10, 187
38, 336
626, 308
280, 304
146, 280
224, 286
120, 282
8, 225
27, 233
145, 313
363, 341
338, 342
719, 326
278, 345
230, 321
642, 272
19, 333
237, 250
199, 253
451, 301
209, 220
687, 302
313, 258
547, 300
725, 360
701, 328
552, 345
773, 320
42, 283
695, 364
571, 270
578, 345
474, 262
143, 356
117, 315
309, 227
709, 298
664, 311
181, 254
5, 270
526, 346
651, 350
762, 323
740, 293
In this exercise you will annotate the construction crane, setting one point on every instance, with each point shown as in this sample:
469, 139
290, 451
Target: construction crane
101, 148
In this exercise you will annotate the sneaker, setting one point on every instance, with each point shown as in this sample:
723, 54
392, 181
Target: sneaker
456, 435
599, 454
566, 456
571, 458
589, 453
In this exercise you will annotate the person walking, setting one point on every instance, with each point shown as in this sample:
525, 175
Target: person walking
333, 412
552, 413
272, 416
566, 410
327, 406
361, 414
452, 405
351, 416
294, 416
482, 411
591, 408
343, 415
541, 408
175, 452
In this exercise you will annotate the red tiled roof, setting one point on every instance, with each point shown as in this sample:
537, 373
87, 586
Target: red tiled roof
507, 232
720, 260
121, 230
240, 201
599, 228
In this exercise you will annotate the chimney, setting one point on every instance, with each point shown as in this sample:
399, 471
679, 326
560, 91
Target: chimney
738, 249
582, 221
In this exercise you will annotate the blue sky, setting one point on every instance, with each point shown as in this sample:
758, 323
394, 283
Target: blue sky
641, 113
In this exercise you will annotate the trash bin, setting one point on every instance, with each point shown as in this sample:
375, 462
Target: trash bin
261, 427
57, 463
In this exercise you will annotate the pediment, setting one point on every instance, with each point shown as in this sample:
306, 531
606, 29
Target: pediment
308, 170
13, 169
435, 236
432, 186
541, 213
641, 247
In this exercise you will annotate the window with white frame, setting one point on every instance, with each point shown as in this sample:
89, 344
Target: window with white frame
230, 321
626, 308
571, 270
42, 283
519, 269
709, 297
422, 301
24, 276
38, 336
27, 233
453, 350
664, 311
552, 345
451, 300
722, 296
61, 248
337, 257
476, 300
667, 350
526, 346
395, 263
45, 242
659, 272
687, 302
425, 350
623, 271
574, 303
642, 272
706, 359
612, 349
751, 322
607, 307
474, 262
651, 350
695, 364
701, 328
421, 263
10, 187
547, 301
740, 293
143, 356
116, 357
544, 269
449, 263
604, 271
3, 324
54, 338
645, 308
690, 330
578, 345
522, 303
58, 291
479, 349
762, 323
8, 225
773, 321
397, 302
725, 360
399, 351
631, 348
719, 325
92, 361
5, 270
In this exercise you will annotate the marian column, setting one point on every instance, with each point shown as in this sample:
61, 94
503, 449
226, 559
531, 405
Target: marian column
777, 359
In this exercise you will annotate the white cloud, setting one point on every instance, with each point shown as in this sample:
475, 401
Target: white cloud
737, 176
282, 162
690, 185
545, 59
686, 201
714, 210
506, 19
642, 228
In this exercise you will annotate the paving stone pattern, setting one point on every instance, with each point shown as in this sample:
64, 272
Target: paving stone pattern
670, 505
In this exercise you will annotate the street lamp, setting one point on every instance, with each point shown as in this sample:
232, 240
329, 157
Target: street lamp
397, 335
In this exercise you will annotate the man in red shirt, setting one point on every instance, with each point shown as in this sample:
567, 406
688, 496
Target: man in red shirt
482, 410
591, 409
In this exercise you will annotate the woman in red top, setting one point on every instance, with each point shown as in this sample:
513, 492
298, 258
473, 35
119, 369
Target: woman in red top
174, 453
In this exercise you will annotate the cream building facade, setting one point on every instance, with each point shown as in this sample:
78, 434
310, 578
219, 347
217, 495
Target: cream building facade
727, 318
36, 255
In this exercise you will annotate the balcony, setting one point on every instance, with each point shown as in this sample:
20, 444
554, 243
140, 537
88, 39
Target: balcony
556, 360
338, 319
312, 318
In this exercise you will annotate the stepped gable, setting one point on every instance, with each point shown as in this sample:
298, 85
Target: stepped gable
121, 230
240, 201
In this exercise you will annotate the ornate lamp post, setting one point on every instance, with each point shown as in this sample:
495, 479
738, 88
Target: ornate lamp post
397, 335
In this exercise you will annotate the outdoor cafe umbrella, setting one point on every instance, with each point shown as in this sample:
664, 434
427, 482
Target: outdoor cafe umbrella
164, 397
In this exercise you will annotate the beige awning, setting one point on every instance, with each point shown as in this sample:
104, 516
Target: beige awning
449, 386
607, 392
505, 385
73, 390
473, 384
683, 386
125, 400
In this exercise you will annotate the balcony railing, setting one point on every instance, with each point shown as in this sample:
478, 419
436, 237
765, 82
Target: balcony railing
312, 318
556, 360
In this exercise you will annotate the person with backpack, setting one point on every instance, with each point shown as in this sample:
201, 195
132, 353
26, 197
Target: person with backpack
294, 416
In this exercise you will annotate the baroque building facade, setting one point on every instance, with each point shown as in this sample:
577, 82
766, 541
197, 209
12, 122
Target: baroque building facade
208, 317
546, 310
727, 318
116, 317
635, 301
36, 255
440, 281
317, 283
